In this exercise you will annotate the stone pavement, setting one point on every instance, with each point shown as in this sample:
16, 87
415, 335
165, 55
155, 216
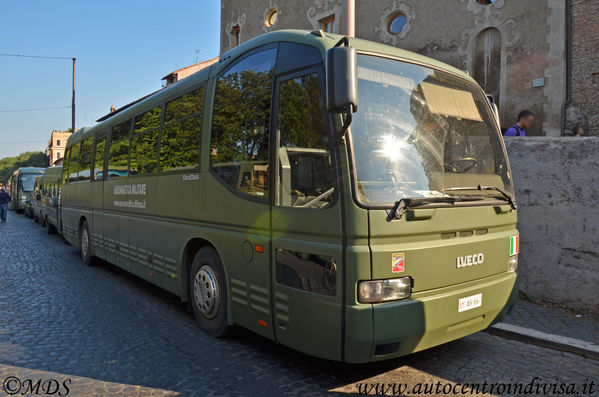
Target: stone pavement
557, 321
114, 334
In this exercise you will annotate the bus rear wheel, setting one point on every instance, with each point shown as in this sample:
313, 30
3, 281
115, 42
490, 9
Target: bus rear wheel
208, 293
85, 244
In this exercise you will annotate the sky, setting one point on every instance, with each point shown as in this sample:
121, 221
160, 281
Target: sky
123, 49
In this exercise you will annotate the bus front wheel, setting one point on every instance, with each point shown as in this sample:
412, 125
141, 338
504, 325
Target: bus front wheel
208, 292
85, 244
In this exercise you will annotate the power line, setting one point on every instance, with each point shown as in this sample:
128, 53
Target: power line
33, 56
34, 109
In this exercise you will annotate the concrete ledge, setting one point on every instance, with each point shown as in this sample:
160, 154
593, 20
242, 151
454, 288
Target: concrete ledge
557, 342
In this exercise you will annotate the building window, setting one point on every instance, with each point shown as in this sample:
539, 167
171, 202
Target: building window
328, 24
235, 32
397, 23
271, 18
57, 155
58, 142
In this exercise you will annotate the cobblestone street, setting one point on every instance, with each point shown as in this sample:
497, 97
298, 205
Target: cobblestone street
114, 334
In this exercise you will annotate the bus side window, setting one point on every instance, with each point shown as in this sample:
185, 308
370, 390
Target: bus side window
86, 159
118, 155
180, 140
74, 163
144, 144
303, 155
99, 159
66, 161
240, 123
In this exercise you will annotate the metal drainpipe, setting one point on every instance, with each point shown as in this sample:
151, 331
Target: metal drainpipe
349, 18
568, 66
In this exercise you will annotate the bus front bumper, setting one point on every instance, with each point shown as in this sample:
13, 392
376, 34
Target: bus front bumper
427, 319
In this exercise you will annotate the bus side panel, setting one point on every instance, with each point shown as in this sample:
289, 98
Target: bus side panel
151, 240
116, 219
70, 213
243, 243
97, 224
178, 199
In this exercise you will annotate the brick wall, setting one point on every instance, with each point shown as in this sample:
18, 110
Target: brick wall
585, 61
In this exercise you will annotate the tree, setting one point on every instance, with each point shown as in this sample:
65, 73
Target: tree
8, 165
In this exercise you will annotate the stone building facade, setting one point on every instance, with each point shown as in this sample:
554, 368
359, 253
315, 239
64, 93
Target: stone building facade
585, 65
56, 146
515, 49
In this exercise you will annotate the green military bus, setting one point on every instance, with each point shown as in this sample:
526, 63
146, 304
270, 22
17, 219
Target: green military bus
21, 188
49, 197
263, 193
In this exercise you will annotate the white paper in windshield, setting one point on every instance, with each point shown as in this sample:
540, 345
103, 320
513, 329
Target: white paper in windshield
450, 102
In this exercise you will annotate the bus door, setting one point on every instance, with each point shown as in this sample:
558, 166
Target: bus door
99, 172
305, 220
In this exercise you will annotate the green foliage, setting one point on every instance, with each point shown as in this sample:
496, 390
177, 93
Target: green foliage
8, 165
301, 116
241, 115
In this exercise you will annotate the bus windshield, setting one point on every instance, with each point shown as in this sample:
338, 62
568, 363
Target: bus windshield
419, 132
28, 181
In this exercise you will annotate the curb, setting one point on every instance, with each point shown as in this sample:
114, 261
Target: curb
552, 341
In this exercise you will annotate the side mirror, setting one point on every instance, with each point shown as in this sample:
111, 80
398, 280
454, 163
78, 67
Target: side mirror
342, 78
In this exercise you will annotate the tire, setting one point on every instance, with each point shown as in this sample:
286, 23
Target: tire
85, 244
208, 293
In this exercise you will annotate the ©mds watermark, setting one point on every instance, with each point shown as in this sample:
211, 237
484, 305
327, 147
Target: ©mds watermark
13, 385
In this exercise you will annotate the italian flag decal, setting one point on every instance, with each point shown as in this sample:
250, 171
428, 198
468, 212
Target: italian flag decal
514, 245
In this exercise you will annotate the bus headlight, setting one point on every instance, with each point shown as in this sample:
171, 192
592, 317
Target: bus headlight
512, 263
384, 290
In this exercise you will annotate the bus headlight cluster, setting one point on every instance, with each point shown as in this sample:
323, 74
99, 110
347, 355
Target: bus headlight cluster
512, 263
384, 290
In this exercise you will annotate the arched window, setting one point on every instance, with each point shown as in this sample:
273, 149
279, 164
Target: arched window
487, 61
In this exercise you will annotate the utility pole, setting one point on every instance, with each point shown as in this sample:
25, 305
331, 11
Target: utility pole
73, 100
349, 18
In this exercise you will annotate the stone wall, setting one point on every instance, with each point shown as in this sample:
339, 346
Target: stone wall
557, 191
585, 64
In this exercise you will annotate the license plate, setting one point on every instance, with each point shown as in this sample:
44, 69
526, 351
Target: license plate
470, 302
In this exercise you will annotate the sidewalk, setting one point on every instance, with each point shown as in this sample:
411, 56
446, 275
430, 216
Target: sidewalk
551, 327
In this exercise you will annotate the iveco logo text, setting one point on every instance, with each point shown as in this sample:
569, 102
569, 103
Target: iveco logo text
469, 260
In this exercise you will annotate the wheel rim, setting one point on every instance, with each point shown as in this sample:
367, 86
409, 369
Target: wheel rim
84, 243
206, 292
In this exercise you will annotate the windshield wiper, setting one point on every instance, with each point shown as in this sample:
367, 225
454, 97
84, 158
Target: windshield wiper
402, 206
505, 196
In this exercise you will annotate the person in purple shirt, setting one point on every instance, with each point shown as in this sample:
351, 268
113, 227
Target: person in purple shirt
525, 120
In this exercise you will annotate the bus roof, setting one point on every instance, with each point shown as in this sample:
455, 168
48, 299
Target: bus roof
322, 41
30, 170
53, 174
